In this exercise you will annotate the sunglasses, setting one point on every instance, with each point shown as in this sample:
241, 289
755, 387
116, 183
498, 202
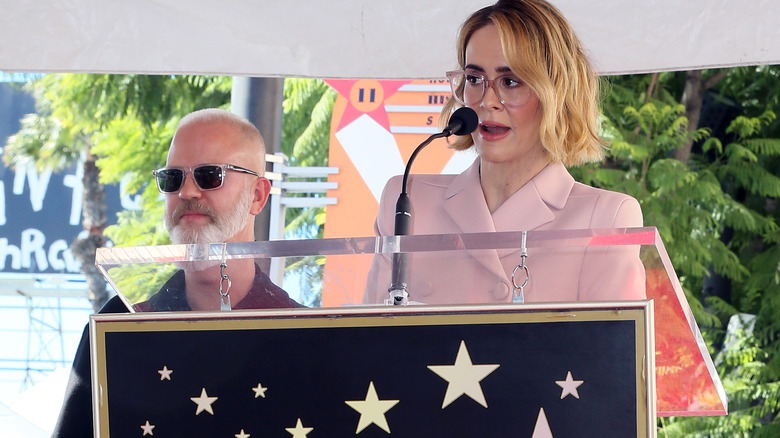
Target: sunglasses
206, 176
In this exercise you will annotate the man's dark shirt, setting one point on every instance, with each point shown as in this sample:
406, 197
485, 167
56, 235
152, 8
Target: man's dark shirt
75, 420
263, 295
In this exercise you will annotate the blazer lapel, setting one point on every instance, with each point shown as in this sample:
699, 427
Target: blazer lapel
535, 204
465, 204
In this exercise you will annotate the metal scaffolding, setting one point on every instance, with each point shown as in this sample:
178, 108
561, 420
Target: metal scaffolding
44, 296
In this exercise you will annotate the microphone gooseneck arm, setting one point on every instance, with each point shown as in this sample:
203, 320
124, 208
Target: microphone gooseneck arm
462, 122
403, 225
403, 207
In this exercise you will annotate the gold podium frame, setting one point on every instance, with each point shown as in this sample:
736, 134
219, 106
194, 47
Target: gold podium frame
129, 334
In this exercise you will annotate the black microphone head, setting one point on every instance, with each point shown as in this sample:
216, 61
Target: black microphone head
463, 121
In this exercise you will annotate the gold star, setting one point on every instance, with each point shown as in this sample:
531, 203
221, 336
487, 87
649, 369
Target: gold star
463, 377
204, 402
165, 373
147, 428
569, 386
242, 434
299, 431
372, 410
259, 391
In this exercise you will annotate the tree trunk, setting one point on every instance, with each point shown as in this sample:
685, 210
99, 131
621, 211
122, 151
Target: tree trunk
94, 222
692, 98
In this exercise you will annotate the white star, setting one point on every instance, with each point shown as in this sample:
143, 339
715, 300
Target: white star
259, 391
569, 386
242, 434
372, 410
542, 427
299, 431
147, 428
463, 377
165, 373
204, 402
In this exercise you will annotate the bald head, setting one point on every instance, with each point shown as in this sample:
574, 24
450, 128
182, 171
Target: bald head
238, 135
225, 213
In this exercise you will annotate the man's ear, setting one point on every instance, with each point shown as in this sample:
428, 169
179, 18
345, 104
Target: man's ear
261, 189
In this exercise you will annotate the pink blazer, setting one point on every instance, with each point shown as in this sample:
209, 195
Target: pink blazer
551, 200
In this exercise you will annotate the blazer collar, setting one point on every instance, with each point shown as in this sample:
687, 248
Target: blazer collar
530, 207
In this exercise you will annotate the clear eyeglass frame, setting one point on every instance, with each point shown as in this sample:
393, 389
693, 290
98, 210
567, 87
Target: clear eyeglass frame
511, 97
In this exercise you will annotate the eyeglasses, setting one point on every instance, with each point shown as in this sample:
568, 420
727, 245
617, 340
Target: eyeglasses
468, 88
206, 176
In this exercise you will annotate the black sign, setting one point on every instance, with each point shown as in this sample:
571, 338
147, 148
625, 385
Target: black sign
40, 212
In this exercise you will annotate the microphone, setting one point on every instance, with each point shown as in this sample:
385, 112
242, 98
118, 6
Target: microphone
462, 122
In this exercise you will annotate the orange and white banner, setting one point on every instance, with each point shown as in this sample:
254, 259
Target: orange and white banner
376, 126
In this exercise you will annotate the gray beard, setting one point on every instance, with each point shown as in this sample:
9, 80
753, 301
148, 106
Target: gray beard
220, 229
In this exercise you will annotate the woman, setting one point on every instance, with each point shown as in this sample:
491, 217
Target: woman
525, 74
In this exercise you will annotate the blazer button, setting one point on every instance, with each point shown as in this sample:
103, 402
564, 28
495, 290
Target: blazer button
500, 292
423, 290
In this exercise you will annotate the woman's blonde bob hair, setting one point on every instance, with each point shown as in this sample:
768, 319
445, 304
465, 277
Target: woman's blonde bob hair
541, 49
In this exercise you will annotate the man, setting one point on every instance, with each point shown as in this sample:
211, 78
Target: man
213, 188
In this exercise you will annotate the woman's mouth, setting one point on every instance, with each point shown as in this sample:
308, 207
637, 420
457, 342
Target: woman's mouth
492, 131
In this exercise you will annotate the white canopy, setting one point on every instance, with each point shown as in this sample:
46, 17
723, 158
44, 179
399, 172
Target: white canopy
361, 38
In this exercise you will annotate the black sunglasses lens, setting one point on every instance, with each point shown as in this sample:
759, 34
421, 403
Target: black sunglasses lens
208, 177
170, 180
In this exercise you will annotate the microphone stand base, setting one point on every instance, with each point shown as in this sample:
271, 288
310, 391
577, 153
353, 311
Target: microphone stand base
398, 297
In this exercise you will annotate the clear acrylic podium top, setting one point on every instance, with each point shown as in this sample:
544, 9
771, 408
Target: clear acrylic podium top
608, 265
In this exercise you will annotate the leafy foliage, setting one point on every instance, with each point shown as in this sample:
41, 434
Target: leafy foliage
717, 216
307, 108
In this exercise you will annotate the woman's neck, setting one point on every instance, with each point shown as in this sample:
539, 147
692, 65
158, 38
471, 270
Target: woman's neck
502, 180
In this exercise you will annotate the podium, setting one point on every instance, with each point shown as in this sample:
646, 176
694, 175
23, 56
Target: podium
549, 368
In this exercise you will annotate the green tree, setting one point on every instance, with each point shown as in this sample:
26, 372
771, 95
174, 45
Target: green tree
711, 192
87, 117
